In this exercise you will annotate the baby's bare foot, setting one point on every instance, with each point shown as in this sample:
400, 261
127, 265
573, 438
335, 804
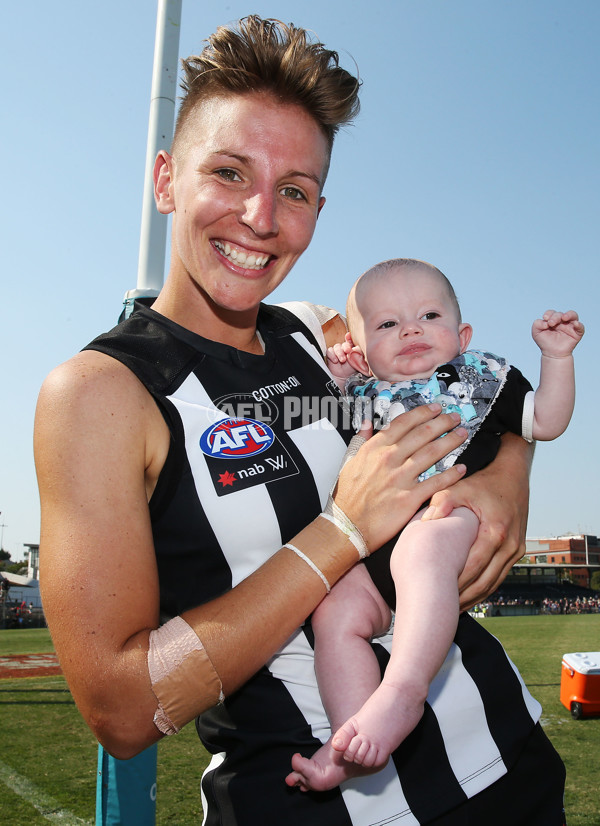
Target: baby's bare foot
325, 770
385, 720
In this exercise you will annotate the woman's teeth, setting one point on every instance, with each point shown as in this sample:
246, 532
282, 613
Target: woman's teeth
251, 261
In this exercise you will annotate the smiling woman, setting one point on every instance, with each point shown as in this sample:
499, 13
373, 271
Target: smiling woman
177, 581
246, 189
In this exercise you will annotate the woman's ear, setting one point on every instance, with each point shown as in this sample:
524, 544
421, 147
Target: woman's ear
465, 333
163, 175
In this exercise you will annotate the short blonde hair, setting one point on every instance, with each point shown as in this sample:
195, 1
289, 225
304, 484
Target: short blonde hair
257, 55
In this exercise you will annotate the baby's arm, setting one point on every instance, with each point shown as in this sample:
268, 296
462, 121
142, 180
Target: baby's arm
557, 335
337, 361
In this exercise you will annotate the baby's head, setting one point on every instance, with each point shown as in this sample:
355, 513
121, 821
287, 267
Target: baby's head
404, 317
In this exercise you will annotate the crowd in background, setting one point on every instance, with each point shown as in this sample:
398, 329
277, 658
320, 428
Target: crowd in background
492, 607
569, 605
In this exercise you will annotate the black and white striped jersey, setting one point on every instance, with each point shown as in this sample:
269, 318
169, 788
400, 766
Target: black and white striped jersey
256, 444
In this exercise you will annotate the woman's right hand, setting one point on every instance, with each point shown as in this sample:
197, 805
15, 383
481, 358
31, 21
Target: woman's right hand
379, 488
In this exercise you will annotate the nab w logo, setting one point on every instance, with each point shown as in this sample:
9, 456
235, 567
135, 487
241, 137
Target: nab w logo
236, 439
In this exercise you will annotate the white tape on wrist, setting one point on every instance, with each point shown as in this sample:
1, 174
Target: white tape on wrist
336, 515
310, 564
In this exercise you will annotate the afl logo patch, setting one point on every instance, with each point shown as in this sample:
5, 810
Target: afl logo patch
236, 439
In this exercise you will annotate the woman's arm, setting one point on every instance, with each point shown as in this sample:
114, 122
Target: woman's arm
100, 443
499, 497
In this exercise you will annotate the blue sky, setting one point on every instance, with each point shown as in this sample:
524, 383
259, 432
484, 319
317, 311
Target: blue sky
476, 149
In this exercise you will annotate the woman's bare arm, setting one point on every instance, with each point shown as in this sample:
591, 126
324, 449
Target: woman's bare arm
100, 443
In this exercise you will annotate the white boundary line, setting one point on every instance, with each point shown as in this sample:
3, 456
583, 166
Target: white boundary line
48, 807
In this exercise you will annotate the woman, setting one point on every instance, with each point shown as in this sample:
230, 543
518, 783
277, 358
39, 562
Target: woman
183, 481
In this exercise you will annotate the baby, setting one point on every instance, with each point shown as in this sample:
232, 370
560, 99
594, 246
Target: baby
409, 344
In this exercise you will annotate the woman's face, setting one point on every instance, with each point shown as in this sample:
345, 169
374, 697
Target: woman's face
245, 192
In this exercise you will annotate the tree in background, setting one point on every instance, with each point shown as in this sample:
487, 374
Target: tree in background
11, 567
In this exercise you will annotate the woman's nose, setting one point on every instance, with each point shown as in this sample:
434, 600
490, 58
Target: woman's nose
259, 214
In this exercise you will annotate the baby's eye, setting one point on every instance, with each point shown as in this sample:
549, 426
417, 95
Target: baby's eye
430, 316
293, 193
386, 325
228, 174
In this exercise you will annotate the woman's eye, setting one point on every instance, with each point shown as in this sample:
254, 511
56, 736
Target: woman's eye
228, 174
293, 193
430, 316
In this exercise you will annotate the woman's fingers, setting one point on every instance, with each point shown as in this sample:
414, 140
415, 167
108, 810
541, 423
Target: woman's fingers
422, 439
379, 488
408, 422
441, 481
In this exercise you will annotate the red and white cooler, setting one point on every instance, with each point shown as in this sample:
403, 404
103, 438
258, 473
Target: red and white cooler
580, 683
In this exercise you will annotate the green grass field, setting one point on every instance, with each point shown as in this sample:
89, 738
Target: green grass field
48, 756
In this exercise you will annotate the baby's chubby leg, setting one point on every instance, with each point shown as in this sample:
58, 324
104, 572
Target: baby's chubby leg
347, 670
425, 565
344, 623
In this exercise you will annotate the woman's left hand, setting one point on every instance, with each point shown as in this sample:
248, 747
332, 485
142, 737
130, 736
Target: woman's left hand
499, 497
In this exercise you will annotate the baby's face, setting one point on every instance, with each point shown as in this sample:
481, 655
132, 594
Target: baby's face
410, 324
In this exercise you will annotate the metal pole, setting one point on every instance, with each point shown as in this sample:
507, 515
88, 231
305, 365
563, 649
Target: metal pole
126, 789
153, 235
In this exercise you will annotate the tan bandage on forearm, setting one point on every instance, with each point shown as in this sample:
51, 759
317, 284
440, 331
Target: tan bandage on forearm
184, 680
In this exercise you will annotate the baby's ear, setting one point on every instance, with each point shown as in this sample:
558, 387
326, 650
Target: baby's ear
465, 333
358, 361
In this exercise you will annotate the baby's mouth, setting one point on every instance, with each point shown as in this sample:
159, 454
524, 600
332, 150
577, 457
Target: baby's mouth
414, 348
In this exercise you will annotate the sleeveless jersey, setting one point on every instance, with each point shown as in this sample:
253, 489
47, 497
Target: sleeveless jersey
256, 443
